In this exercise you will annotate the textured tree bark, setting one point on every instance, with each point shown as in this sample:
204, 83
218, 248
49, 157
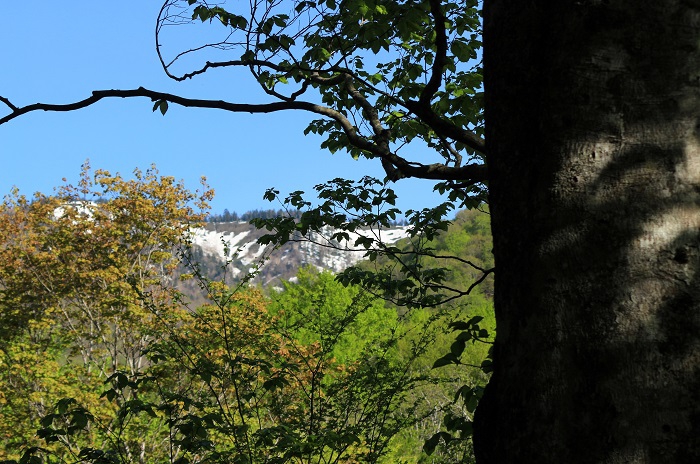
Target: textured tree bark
593, 140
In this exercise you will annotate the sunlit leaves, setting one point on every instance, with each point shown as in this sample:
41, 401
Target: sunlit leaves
73, 269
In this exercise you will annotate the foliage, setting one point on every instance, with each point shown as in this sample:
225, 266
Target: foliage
314, 309
414, 276
378, 76
121, 369
439, 263
389, 72
72, 269
225, 386
79, 252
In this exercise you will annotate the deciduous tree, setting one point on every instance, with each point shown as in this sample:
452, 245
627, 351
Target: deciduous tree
591, 160
72, 268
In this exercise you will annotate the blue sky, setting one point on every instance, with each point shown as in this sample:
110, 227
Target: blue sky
58, 52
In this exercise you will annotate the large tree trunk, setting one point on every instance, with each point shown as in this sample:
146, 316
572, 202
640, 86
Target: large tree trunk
593, 134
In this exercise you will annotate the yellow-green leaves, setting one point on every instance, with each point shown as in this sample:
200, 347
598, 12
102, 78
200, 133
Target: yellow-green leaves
74, 267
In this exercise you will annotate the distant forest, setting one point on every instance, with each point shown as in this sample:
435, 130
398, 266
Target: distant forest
228, 216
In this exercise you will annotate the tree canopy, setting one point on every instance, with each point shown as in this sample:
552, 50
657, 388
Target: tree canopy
378, 75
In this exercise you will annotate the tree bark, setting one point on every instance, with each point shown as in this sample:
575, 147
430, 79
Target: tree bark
593, 142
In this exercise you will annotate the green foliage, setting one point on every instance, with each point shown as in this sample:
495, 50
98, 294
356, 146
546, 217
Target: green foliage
381, 74
230, 387
330, 373
446, 265
414, 275
320, 370
316, 308
72, 268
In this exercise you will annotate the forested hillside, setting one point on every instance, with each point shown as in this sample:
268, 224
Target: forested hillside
104, 359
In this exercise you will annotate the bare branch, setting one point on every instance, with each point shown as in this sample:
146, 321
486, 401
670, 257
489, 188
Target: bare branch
8, 103
480, 279
224, 64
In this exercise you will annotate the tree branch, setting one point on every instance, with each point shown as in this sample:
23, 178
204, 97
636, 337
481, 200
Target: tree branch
8, 103
440, 54
98, 95
223, 64
473, 172
370, 112
445, 127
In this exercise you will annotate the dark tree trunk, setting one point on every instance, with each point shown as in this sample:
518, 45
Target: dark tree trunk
593, 135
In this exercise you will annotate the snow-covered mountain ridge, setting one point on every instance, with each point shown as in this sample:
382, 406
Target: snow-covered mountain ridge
216, 243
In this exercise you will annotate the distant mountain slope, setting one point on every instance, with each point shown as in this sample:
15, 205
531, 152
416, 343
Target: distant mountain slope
236, 241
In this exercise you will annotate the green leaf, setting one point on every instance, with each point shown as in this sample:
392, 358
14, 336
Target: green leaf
462, 51
109, 394
121, 380
280, 20
80, 420
472, 403
445, 360
324, 55
457, 348
459, 325
163, 107
432, 442
63, 404
274, 383
47, 420
465, 392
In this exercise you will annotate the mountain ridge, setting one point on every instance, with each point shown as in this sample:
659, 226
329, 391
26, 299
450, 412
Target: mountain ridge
230, 250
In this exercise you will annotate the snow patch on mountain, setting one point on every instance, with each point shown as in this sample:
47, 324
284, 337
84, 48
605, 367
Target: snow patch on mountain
316, 249
215, 243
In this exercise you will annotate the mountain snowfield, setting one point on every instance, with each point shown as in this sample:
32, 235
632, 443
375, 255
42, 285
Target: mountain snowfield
244, 253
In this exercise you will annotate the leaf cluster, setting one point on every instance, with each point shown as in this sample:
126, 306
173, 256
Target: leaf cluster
378, 74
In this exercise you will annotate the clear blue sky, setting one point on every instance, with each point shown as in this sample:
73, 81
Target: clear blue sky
57, 52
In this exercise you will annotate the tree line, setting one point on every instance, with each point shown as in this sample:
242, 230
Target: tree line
228, 216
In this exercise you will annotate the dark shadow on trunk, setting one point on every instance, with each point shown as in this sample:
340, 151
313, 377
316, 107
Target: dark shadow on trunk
595, 198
